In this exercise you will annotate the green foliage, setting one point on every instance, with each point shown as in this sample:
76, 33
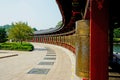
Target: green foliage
20, 31
116, 33
17, 46
59, 24
34, 29
116, 40
3, 35
6, 27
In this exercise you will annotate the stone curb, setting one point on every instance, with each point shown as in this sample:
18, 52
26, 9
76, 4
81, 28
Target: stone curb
8, 56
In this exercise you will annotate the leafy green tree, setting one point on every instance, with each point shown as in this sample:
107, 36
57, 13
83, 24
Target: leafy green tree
34, 29
116, 33
20, 31
59, 24
7, 27
3, 35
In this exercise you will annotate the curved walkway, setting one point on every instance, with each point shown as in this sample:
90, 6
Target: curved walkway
46, 62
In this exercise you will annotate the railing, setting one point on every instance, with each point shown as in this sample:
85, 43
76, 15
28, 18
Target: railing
66, 40
92, 50
76, 40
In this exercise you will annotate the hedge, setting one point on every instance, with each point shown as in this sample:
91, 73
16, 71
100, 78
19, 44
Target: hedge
16, 46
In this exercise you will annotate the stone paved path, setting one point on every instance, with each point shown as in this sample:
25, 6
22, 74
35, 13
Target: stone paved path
46, 62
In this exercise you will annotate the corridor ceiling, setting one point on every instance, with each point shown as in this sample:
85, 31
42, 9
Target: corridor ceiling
71, 11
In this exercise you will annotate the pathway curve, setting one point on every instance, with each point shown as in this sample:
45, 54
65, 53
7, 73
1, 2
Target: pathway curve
46, 62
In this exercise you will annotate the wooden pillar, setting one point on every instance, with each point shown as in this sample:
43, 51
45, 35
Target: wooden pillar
52, 39
99, 39
36, 39
82, 49
42, 39
33, 39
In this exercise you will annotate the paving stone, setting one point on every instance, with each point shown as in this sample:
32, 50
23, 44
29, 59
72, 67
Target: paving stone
40, 49
46, 63
39, 71
50, 55
46, 58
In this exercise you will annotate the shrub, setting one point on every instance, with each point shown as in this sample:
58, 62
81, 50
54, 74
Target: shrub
17, 46
116, 40
3, 35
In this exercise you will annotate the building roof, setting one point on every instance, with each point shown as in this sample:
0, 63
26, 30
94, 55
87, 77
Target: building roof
71, 11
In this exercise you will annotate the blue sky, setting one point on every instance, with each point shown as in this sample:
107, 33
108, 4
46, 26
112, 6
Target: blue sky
41, 14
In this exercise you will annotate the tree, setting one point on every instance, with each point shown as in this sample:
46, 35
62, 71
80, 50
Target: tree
59, 24
3, 35
116, 33
34, 29
20, 31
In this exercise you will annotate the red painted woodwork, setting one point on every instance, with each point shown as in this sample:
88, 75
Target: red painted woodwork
99, 41
36, 39
84, 79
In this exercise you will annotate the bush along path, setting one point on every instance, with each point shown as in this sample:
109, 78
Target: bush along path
16, 46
